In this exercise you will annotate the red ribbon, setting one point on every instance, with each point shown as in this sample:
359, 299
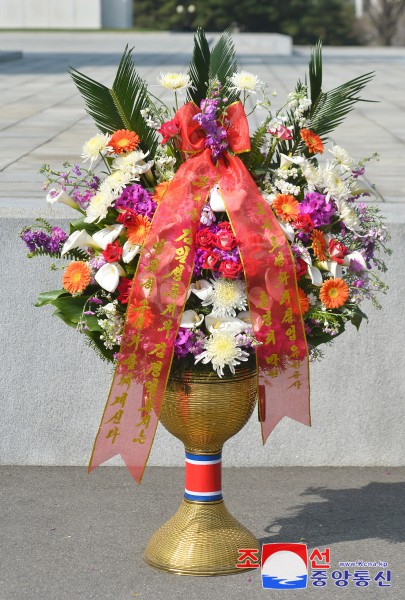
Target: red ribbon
159, 292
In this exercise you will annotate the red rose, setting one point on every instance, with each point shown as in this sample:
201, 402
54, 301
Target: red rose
337, 251
124, 289
225, 226
169, 130
113, 252
230, 269
210, 260
301, 267
304, 222
225, 240
205, 238
128, 217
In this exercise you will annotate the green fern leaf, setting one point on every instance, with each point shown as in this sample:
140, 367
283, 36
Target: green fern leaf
118, 107
254, 156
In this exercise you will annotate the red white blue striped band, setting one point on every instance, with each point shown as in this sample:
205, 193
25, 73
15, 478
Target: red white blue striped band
203, 477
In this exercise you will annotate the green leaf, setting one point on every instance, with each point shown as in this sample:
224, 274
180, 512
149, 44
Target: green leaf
332, 107
49, 297
118, 107
80, 224
199, 68
357, 317
60, 315
223, 63
315, 72
71, 306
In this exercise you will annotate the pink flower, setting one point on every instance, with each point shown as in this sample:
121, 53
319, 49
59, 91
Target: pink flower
169, 130
337, 251
282, 132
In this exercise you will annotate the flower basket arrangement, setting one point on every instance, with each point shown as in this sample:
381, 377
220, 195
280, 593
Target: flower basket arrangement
209, 266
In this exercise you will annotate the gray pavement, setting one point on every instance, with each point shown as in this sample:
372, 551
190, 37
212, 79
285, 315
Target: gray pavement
42, 117
66, 535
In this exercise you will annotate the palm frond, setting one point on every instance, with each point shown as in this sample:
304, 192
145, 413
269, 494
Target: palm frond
199, 68
223, 63
332, 107
118, 107
315, 72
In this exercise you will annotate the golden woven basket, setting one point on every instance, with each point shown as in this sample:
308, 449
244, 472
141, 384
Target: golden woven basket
204, 411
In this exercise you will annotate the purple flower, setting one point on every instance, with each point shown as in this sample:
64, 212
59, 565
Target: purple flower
136, 198
97, 262
198, 262
198, 346
216, 139
316, 206
183, 342
95, 300
39, 240
357, 172
207, 216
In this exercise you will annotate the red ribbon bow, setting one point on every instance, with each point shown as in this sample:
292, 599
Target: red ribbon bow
159, 292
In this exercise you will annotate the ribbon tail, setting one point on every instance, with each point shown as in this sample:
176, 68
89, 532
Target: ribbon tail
155, 307
274, 303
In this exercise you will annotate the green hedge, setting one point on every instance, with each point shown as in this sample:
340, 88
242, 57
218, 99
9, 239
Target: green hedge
305, 20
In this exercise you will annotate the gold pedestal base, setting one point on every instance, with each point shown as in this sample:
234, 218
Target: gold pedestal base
202, 538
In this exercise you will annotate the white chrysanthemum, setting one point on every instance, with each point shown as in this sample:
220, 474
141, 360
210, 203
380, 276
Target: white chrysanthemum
348, 216
132, 162
95, 146
334, 184
227, 296
344, 159
311, 174
115, 183
222, 350
245, 82
98, 207
175, 81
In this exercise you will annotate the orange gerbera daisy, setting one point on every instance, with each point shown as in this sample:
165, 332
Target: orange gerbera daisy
286, 207
139, 315
319, 244
334, 293
160, 191
303, 301
123, 140
138, 230
312, 141
76, 277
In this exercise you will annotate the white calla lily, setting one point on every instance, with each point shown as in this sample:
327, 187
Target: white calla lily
190, 319
107, 235
360, 187
129, 251
231, 324
79, 239
334, 268
216, 202
287, 161
108, 276
315, 275
245, 317
288, 230
61, 197
358, 257
202, 289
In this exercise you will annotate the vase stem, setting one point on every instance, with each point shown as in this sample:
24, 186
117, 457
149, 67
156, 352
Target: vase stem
203, 477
